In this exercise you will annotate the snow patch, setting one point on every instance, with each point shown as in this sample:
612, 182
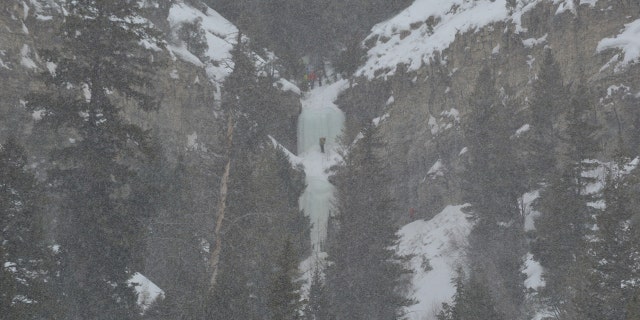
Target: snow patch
531, 42
534, 271
287, 86
437, 248
496, 49
526, 207
25, 60
220, 35
148, 292
436, 170
390, 101
628, 40
525, 128
192, 141
378, 120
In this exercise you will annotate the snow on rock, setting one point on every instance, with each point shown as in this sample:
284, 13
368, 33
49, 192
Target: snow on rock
192, 141
378, 120
408, 39
2, 63
147, 291
220, 35
436, 170
390, 101
570, 5
287, 86
628, 41
25, 59
293, 159
526, 207
184, 54
531, 42
419, 33
525, 128
437, 248
533, 270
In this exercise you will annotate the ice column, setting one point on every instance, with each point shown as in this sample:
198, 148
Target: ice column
319, 118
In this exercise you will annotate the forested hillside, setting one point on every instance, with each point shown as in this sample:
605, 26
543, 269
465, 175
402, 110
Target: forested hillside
244, 159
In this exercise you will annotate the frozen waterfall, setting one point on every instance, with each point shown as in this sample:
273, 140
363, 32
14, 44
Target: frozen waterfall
320, 117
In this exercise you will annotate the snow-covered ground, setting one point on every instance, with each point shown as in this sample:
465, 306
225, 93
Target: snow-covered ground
437, 247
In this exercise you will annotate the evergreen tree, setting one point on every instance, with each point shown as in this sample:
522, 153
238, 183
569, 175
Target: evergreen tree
580, 136
493, 175
194, 37
317, 306
364, 277
548, 99
23, 254
560, 238
472, 301
494, 181
100, 234
562, 228
614, 256
284, 295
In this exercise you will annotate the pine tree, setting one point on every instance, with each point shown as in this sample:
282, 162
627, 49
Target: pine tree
494, 181
560, 237
580, 136
364, 277
99, 60
260, 211
472, 301
317, 306
23, 254
562, 229
284, 295
494, 176
614, 257
547, 101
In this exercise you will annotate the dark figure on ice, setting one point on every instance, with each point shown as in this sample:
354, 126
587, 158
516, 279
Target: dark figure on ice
322, 140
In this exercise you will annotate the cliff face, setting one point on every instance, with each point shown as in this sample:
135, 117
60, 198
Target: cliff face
422, 107
189, 119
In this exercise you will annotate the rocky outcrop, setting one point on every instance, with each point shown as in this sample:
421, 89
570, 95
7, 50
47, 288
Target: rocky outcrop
425, 146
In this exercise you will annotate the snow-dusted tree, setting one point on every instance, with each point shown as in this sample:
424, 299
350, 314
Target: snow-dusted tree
98, 62
614, 256
194, 37
363, 278
561, 230
23, 255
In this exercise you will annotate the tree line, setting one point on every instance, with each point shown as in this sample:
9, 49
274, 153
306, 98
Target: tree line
588, 251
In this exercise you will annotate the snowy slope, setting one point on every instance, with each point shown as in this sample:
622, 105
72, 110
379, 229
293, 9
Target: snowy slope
437, 248
220, 34
417, 34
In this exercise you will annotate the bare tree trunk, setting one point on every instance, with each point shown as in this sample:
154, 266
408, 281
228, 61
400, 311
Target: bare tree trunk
222, 205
